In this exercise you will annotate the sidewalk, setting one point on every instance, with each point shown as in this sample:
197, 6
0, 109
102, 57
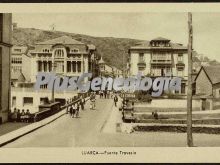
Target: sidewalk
13, 131
17, 132
114, 118
11, 126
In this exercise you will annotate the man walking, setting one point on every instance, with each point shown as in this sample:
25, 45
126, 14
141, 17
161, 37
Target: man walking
116, 100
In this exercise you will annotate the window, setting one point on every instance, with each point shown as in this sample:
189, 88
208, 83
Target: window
68, 66
16, 60
13, 101
50, 66
180, 58
75, 50
180, 73
79, 66
17, 50
59, 53
27, 101
59, 66
73, 66
183, 86
45, 66
39, 66
141, 56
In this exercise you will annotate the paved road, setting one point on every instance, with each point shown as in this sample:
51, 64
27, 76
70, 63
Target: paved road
86, 131
67, 131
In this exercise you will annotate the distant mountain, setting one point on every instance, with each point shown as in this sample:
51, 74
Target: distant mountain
111, 49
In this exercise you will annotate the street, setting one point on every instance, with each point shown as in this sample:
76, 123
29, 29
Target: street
87, 131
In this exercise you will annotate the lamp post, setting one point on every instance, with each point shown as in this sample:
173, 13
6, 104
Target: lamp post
54, 65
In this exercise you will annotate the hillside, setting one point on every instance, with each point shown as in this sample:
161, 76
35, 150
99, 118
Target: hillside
111, 49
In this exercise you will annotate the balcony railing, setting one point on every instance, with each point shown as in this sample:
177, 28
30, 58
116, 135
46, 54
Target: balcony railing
180, 64
161, 62
141, 63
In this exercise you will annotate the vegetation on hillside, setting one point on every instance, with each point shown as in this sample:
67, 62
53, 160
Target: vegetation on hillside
111, 49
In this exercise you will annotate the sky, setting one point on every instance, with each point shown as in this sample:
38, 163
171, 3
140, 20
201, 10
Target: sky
144, 26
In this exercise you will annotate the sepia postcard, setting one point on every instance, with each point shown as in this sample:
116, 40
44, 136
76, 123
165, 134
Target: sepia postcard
109, 82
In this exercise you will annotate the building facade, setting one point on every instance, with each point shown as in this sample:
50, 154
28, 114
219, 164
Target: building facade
65, 56
158, 58
5, 46
20, 64
104, 69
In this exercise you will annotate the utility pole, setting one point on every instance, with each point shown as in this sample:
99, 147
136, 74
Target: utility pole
189, 91
52, 94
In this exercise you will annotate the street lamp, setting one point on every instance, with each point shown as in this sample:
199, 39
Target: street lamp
54, 65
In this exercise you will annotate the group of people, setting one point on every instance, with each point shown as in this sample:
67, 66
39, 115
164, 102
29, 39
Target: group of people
74, 109
20, 116
105, 94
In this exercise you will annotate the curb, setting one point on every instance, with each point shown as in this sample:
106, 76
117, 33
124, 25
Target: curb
11, 136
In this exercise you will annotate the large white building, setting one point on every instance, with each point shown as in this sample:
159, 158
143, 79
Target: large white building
158, 57
64, 55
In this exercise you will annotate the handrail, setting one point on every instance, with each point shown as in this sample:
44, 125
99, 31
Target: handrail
46, 113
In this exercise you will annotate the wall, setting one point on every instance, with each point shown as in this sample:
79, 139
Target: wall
172, 103
133, 63
5, 85
20, 93
26, 67
147, 59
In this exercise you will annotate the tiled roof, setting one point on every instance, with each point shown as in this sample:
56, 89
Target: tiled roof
61, 40
160, 39
213, 73
146, 45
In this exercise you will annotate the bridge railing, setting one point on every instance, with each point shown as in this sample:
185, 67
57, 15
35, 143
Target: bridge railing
53, 108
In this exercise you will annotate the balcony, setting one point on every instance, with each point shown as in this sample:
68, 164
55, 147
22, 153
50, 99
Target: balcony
180, 64
162, 62
141, 64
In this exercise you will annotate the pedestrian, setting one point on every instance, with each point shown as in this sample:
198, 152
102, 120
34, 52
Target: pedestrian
14, 115
22, 116
92, 101
108, 94
74, 110
115, 100
18, 116
82, 104
105, 93
100, 94
71, 111
27, 116
156, 116
77, 110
